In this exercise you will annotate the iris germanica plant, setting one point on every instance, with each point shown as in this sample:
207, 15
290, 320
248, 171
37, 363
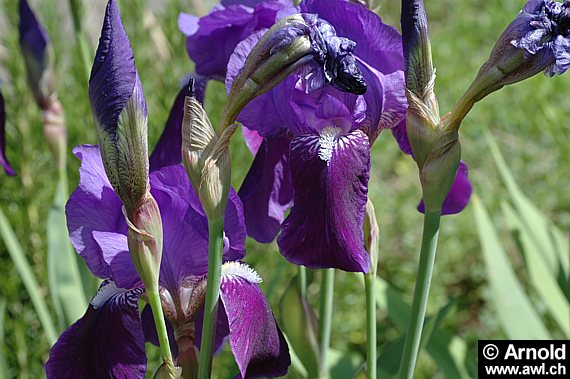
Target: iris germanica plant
113, 324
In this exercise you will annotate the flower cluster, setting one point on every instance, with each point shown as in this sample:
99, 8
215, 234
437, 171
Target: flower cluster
311, 140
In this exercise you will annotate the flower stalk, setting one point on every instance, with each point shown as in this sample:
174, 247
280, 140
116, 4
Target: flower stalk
325, 319
437, 153
215, 250
371, 240
421, 294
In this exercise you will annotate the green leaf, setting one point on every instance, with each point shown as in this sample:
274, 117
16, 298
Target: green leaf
537, 225
65, 281
299, 323
542, 279
23, 267
518, 318
447, 351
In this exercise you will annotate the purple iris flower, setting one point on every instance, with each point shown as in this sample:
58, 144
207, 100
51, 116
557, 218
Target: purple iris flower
543, 28
211, 40
3, 160
109, 339
315, 154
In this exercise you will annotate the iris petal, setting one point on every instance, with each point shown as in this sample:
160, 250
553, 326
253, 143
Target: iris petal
108, 341
324, 228
267, 190
257, 343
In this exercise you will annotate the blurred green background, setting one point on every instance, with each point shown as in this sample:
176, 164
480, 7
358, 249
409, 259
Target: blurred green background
530, 122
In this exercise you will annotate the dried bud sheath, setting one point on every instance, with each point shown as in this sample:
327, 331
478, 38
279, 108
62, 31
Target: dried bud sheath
206, 158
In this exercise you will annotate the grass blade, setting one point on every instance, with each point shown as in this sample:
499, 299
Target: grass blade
518, 318
20, 261
65, 281
535, 221
542, 280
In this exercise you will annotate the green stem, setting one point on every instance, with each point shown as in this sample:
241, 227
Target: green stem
303, 281
215, 249
325, 318
160, 324
421, 294
370, 288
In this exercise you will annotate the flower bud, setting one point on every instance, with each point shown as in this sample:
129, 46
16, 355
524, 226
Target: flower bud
294, 41
206, 157
119, 110
538, 39
436, 151
371, 236
34, 43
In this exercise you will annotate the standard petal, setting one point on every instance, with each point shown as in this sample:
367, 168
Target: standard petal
94, 207
106, 342
257, 343
168, 150
458, 196
219, 32
267, 191
330, 178
3, 160
185, 249
114, 75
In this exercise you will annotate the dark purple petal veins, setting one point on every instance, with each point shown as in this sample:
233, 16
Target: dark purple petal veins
330, 176
459, 194
3, 160
267, 190
114, 75
258, 345
107, 342
168, 150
